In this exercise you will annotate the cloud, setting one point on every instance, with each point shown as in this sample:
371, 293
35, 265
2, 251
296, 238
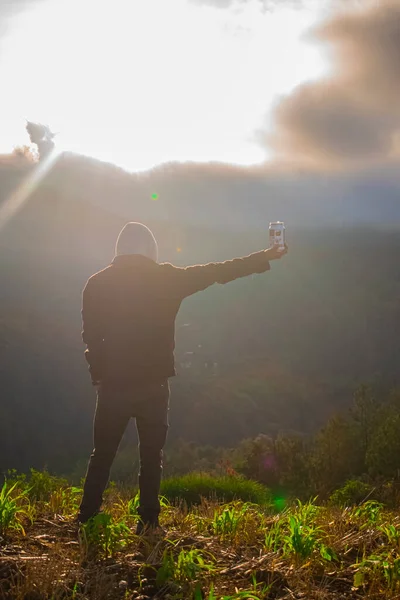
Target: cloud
264, 4
354, 115
11, 8
216, 3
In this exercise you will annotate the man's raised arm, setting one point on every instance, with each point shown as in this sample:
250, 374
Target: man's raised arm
199, 277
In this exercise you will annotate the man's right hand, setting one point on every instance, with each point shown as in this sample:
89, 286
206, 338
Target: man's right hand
276, 252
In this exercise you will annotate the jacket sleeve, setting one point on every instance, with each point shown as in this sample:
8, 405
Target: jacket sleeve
92, 330
199, 277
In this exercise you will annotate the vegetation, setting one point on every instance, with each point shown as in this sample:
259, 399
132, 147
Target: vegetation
353, 458
191, 488
12, 509
212, 551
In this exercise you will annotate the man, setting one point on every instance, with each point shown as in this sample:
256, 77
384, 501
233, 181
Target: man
128, 314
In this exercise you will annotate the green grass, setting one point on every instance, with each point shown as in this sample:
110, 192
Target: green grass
14, 508
195, 487
104, 534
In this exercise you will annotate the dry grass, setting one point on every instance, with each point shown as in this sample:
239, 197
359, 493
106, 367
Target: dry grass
211, 552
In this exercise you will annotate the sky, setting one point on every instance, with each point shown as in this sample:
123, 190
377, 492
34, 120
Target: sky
312, 82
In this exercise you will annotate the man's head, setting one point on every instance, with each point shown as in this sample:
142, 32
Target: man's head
136, 238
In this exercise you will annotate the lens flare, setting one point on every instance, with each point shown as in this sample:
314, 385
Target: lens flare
279, 503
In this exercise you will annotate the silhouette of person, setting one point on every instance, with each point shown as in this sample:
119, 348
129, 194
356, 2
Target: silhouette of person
128, 312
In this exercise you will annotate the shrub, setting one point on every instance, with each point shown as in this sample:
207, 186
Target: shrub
39, 485
42, 485
193, 487
353, 492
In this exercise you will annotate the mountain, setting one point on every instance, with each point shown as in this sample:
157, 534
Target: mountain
233, 198
267, 353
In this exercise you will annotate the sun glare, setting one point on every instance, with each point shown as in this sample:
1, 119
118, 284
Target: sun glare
17, 199
139, 83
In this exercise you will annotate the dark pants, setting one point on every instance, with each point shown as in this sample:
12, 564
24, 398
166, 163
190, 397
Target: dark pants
149, 405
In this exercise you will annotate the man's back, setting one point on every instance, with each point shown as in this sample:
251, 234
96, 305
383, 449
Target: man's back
129, 313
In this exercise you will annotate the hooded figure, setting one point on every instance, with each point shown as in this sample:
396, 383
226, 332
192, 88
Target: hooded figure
128, 312
136, 238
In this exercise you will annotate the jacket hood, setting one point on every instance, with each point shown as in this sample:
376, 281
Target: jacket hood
136, 238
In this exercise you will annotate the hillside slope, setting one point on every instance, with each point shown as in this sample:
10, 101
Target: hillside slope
288, 347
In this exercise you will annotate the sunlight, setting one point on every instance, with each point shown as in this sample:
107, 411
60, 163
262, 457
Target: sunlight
17, 199
141, 83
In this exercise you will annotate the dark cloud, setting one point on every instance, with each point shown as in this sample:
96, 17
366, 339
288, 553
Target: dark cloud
355, 115
326, 123
367, 50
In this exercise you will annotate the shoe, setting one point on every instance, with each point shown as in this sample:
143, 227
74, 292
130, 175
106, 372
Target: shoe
81, 519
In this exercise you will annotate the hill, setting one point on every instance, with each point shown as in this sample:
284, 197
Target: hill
286, 349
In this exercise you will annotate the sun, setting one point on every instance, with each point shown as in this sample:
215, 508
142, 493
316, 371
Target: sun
140, 83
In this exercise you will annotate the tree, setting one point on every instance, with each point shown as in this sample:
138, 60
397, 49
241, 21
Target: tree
383, 457
25, 153
364, 414
336, 456
293, 459
42, 136
256, 459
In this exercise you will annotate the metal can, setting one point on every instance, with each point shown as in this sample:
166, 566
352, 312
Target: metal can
277, 234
